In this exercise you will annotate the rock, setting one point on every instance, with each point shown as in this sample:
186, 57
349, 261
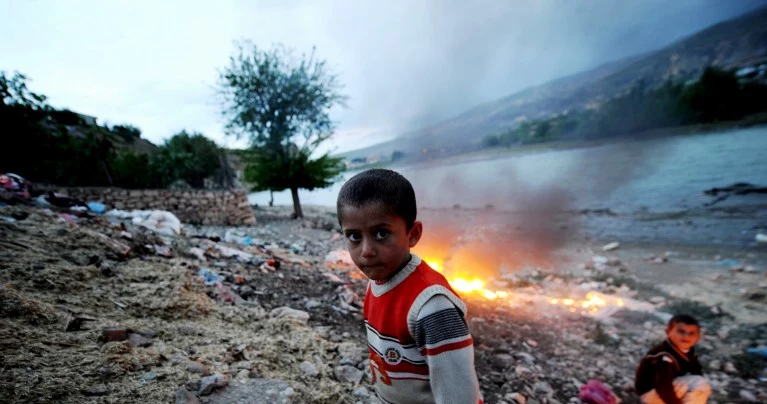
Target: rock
611, 246
308, 369
333, 278
95, 391
750, 269
149, 376
188, 331
195, 367
521, 371
138, 340
657, 299
755, 295
730, 368
515, 398
245, 291
361, 392
613, 262
243, 374
348, 374
503, 360
114, 335
543, 388
253, 391
532, 343
312, 304
529, 359
748, 396
350, 352
715, 365
147, 332
287, 312
210, 383
184, 396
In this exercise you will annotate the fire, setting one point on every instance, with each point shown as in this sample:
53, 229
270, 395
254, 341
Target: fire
592, 304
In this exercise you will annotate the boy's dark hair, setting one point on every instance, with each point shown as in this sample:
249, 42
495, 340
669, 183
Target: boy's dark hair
684, 319
386, 187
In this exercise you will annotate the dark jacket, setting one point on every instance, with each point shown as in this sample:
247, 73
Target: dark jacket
660, 366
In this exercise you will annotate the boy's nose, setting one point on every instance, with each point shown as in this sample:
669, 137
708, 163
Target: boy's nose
368, 250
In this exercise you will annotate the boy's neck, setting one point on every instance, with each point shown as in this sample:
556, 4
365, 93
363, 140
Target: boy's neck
401, 267
680, 350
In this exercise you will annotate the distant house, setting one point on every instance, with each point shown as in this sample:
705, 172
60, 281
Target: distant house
87, 119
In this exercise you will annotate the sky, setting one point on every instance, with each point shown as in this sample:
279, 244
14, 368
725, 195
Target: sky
403, 64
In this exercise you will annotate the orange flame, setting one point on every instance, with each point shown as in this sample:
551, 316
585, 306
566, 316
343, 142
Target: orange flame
592, 304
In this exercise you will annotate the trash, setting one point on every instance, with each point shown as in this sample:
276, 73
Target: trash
114, 334
729, 263
611, 246
761, 238
208, 277
758, 351
339, 259
594, 392
160, 221
198, 252
163, 251
287, 312
228, 252
8, 219
66, 217
63, 201
16, 185
96, 207
232, 236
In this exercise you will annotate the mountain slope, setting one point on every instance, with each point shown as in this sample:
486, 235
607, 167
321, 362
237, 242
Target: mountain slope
736, 42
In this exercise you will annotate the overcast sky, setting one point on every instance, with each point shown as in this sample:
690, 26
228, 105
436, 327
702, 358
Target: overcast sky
404, 64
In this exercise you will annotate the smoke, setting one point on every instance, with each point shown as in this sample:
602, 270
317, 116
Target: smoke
516, 216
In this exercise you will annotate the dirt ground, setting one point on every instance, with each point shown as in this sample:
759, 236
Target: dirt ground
63, 283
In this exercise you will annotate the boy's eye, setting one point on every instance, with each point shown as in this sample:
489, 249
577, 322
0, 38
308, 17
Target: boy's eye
382, 234
353, 237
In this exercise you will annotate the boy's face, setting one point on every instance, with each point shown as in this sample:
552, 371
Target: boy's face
684, 336
379, 242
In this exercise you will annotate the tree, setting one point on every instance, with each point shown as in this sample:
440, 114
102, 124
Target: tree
188, 156
282, 106
129, 133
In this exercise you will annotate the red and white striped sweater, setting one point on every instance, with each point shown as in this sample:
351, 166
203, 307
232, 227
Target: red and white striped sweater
420, 347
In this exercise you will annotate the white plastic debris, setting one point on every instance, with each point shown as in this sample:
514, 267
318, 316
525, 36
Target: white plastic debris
160, 221
761, 238
611, 246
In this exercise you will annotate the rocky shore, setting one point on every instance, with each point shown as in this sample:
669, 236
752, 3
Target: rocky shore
94, 309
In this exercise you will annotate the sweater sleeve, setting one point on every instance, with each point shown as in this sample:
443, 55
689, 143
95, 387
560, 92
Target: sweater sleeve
443, 337
664, 381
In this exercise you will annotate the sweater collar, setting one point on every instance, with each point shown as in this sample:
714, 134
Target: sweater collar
684, 355
379, 289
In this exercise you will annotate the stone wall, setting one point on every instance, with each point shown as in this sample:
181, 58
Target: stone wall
228, 208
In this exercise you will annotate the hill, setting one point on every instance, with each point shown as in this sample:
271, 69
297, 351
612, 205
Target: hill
731, 44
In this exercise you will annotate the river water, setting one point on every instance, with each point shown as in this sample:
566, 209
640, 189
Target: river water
656, 175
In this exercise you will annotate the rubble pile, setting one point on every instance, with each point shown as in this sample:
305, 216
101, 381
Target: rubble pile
105, 308
98, 309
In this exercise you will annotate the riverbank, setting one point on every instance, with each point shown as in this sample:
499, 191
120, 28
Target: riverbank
488, 154
98, 311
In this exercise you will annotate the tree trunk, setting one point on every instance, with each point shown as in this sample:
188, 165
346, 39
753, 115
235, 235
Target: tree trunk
296, 204
271, 198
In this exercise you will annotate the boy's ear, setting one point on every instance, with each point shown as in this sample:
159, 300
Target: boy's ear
414, 235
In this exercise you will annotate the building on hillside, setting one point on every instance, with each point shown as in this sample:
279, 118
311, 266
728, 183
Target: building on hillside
87, 119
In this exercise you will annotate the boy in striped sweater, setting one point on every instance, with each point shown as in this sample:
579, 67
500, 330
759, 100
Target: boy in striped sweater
420, 347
